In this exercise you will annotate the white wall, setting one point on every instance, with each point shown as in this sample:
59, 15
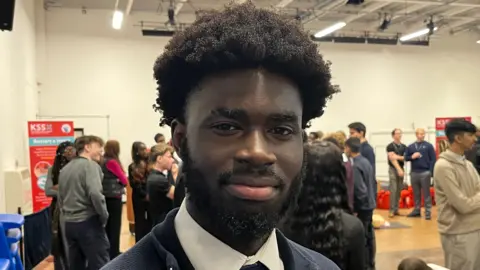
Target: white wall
93, 69
18, 89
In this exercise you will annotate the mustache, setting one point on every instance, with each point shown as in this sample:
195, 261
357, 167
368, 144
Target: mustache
224, 177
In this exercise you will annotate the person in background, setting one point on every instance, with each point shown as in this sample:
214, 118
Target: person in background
413, 264
457, 191
137, 178
159, 138
364, 195
83, 206
422, 157
159, 188
240, 113
358, 130
65, 152
114, 183
338, 138
323, 220
395, 154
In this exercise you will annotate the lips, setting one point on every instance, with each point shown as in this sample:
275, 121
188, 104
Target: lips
253, 188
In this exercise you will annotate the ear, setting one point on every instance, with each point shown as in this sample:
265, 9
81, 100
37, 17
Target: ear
178, 134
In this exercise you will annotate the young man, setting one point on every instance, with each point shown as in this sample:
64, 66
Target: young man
358, 130
83, 206
457, 191
395, 152
364, 194
159, 187
422, 156
239, 116
159, 138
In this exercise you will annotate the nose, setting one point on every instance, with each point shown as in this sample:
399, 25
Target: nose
255, 151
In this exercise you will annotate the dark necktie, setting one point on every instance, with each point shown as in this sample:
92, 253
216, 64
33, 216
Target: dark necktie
256, 266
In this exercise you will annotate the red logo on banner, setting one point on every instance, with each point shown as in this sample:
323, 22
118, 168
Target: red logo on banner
44, 138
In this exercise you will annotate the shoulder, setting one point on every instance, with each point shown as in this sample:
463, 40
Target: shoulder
352, 226
390, 147
311, 258
442, 164
141, 256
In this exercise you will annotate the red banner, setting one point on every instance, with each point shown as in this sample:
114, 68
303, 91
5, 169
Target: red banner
44, 137
441, 140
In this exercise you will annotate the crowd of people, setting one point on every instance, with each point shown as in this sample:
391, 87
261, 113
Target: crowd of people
240, 185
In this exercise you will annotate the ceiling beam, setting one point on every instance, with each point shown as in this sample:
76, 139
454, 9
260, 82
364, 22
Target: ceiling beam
456, 11
316, 14
394, 19
460, 23
369, 9
128, 9
431, 3
283, 3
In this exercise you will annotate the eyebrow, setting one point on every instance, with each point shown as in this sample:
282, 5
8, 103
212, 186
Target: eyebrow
240, 114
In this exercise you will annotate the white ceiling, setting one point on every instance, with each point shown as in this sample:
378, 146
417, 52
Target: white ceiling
452, 16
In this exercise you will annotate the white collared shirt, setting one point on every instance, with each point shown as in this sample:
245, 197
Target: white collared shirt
206, 252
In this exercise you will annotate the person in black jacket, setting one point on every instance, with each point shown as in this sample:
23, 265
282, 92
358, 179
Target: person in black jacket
364, 195
241, 85
323, 220
137, 178
159, 187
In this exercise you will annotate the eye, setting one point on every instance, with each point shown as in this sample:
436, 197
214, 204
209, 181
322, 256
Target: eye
225, 128
282, 131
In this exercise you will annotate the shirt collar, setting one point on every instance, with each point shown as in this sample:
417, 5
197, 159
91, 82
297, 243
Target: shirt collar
206, 252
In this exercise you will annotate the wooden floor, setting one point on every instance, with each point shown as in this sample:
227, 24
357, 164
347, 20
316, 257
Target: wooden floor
420, 240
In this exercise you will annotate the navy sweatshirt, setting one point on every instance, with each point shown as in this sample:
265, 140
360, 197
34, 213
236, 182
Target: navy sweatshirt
366, 150
365, 187
161, 250
426, 161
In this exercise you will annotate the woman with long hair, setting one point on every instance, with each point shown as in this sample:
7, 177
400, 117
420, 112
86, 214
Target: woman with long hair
137, 178
114, 183
65, 152
322, 220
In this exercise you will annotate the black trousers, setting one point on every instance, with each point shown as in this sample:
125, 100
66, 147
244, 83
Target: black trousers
88, 246
143, 225
365, 217
114, 224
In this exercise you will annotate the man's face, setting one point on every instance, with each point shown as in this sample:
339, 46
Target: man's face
347, 151
355, 134
161, 139
397, 135
420, 134
467, 140
94, 150
243, 151
166, 160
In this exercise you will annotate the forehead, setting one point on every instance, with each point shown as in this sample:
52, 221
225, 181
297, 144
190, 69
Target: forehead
258, 92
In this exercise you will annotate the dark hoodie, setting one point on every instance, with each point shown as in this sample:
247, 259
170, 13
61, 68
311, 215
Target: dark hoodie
161, 250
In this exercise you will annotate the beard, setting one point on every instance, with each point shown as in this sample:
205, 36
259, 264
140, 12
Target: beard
229, 219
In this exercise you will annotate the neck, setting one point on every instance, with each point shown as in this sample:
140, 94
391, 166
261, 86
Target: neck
355, 155
419, 140
84, 155
457, 149
247, 247
363, 140
158, 168
397, 141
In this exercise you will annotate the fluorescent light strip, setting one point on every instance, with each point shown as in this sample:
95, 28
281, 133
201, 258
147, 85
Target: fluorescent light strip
478, 41
417, 34
330, 29
117, 20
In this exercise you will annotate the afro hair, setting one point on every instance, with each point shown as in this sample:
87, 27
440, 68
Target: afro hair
241, 37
